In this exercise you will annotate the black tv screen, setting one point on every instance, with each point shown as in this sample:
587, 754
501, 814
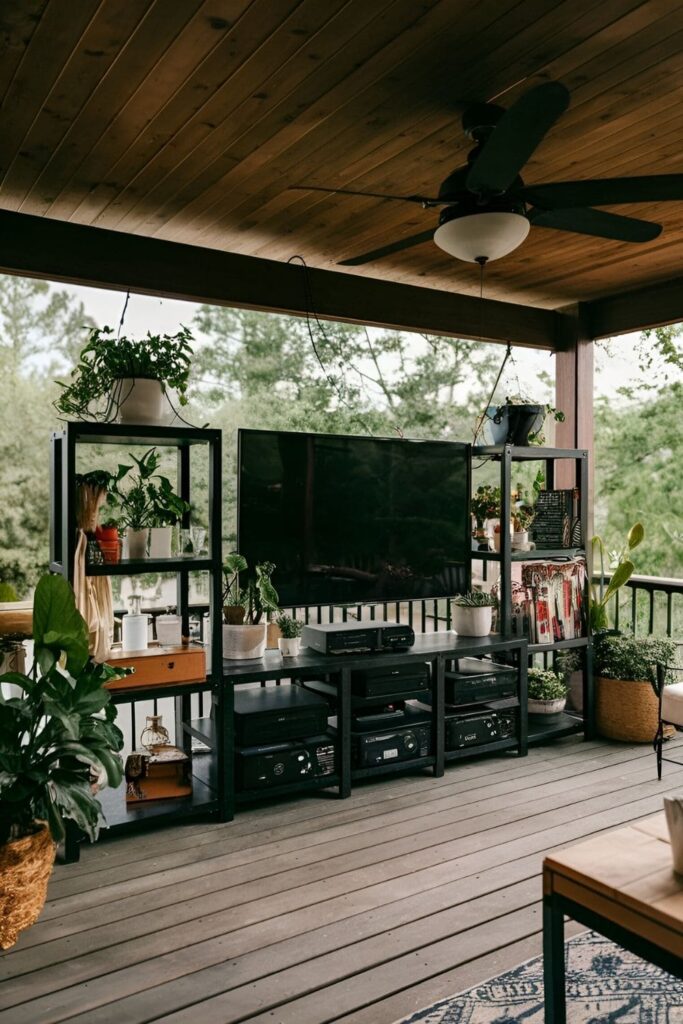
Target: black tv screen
350, 520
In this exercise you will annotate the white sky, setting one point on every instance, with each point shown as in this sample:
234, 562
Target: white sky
613, 369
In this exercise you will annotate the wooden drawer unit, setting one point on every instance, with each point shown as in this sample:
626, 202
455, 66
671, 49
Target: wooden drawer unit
159, 666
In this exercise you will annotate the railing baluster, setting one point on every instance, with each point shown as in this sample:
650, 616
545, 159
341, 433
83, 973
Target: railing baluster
669, 613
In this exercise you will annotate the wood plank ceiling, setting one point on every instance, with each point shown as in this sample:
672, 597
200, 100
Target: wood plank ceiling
187, 119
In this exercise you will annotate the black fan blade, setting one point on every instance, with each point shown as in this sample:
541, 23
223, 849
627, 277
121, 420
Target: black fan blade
654, 188
422, 200
387, 250
585, 221
515, 137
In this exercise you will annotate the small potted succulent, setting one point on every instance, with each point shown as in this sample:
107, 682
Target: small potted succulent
245, 607
127, 380
626, 705
547, 693
58, 728
290, 641
472, 613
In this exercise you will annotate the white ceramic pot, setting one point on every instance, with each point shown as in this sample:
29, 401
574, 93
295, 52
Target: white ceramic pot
472, 621
160, 541
520, 541
546, 707
137, 543
289, 646
139, 400
243, 642
13, 661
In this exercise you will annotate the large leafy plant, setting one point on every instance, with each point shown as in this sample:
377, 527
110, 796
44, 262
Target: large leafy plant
247, 604
150, 499
61, 727
545, 684
106, 359
633, 658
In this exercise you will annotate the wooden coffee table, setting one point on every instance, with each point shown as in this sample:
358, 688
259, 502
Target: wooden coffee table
622, 885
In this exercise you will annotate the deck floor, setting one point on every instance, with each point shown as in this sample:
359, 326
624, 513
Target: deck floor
314, 910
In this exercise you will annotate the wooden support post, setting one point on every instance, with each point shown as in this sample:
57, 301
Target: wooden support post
574, 396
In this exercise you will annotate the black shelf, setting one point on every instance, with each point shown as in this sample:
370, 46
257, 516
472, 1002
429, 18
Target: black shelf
243, 796
203, 729
123, 817
487, 748
556, 554
564, 724
559, 645
395, 766
531, 453
143, 434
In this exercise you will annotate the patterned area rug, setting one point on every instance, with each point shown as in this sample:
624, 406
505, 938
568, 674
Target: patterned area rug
604, 984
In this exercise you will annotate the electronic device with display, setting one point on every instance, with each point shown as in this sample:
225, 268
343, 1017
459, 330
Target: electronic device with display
357, 637
355, 519
478, 680
480, 727
277, 764
372, 746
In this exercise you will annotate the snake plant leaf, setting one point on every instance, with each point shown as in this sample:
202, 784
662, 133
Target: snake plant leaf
635, 536
620, 576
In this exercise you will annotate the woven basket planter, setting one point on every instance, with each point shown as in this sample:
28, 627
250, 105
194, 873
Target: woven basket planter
627, 710
25, 869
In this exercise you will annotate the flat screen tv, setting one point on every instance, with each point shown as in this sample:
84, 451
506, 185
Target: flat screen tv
352, 520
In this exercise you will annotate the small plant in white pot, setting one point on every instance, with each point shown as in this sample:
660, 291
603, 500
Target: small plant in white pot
245, 608
472, 613
126, 379
290, 641
547, 693
148, 507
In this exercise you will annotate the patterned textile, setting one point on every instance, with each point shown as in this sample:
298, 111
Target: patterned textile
605, 985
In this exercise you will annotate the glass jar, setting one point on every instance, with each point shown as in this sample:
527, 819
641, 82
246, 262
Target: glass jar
154, 735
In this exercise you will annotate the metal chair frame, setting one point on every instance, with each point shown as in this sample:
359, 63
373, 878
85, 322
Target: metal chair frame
662, 671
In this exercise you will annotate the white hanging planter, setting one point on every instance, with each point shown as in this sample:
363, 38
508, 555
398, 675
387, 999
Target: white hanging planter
160, 541
137, 543
243, 642
472, 621
289, 646
140, 400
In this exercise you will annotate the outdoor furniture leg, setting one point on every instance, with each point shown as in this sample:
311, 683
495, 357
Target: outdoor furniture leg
553, 962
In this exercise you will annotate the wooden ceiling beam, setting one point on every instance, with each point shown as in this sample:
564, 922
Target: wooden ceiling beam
654, 306
61, 251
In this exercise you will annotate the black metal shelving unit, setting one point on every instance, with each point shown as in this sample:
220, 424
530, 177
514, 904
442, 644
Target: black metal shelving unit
211, 776
506, 456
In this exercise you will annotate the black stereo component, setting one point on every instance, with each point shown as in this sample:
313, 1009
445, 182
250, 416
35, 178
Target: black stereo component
478, 680
386, 681
280, 763
371, 746
480, 727
273, 714
357, 637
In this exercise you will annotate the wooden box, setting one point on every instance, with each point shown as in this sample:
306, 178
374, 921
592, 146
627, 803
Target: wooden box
159, 666
160, 775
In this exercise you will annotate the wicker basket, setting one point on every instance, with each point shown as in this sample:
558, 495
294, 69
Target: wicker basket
25, 869
627, 710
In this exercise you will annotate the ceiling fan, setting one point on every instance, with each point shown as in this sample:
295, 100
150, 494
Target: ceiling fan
487, 210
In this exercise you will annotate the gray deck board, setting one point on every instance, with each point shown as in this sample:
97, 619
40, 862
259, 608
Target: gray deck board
312, 910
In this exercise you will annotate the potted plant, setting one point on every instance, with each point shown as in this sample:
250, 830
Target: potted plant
149, 503
131, 377
522, 518
623, 570
518, 421
569, 665
60, 727
291, 630
108, 540
547, 692
473, 613
484, 505
244, 607
625, 669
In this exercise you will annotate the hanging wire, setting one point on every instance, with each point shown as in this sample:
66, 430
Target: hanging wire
508, 351
123, 314
309, 311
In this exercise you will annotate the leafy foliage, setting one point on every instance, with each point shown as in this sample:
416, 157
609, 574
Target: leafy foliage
631, 657
289, 627
600, 596
255, 598
546, 685
106, 359
475, 599
63, 724
150, 500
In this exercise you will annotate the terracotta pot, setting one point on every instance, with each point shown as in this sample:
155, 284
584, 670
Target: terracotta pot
472, 621
107, 533
25, 869
627, 710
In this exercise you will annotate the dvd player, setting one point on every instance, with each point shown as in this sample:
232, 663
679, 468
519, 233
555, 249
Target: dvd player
357, 637
274, 714
478, 680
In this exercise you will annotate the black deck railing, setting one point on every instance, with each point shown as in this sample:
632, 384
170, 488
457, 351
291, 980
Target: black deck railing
647, 604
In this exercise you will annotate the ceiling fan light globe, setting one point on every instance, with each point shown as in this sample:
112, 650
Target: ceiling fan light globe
488, 235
